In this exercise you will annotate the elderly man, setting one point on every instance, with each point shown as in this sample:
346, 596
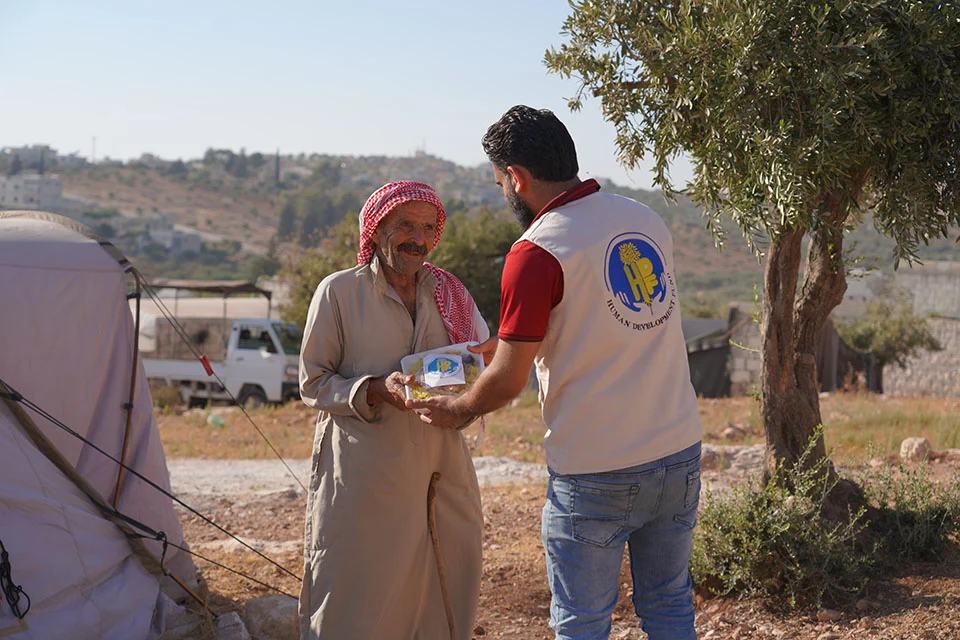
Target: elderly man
371, 565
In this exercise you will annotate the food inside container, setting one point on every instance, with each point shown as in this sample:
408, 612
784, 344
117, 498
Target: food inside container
446, 371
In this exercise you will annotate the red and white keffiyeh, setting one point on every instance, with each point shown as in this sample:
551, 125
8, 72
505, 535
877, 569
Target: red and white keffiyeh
453, 299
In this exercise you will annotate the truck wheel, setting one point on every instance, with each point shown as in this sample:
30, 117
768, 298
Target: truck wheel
251, 397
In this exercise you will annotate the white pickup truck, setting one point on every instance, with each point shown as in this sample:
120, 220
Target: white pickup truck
259, 365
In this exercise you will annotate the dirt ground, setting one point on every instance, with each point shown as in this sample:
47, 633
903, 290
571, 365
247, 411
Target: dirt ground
921, 602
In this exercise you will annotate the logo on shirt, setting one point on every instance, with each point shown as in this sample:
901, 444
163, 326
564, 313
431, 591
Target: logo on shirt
643, 293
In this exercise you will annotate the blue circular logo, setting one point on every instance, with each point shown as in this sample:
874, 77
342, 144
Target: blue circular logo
635, 272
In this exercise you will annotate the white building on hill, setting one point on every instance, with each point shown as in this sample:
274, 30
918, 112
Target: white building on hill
32, 156
38, 192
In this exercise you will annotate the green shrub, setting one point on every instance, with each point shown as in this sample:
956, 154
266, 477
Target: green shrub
917, 519
774, 542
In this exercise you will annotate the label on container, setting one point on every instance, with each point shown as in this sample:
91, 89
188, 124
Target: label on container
442, 369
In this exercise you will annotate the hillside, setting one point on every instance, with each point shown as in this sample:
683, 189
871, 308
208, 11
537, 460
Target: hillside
234, 209
238, 198
205, 197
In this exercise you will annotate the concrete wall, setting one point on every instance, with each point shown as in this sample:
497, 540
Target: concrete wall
744, 361
935, 288
932, 373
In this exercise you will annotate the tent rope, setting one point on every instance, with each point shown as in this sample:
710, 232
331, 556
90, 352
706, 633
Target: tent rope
8, 392
230, 569
11, 591
209, 369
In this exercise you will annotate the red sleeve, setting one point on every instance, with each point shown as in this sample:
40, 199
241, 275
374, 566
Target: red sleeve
531, 286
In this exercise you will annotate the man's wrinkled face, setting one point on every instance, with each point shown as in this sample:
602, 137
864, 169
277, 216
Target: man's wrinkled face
524, 214
405, 236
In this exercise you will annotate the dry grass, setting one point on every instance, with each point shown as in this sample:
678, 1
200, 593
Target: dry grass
858, 426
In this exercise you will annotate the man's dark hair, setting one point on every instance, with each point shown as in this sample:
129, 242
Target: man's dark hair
534, 139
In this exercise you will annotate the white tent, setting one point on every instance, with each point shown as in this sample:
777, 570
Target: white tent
67, 345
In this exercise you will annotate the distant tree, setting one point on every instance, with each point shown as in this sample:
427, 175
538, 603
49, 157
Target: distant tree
348, 202
287, 225
304, 270
209, 157
104, 230
472, 248
239, 168
890, 330
316, 211
797, 116
104, 213
327, 174
700, 305
177, 169
310, 213
16, 166
256, 160
266, 265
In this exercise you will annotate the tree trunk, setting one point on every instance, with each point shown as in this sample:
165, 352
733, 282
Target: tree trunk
788, 415
790, 332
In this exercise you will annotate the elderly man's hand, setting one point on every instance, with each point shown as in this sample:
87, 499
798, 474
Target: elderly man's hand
389, 389
441, 412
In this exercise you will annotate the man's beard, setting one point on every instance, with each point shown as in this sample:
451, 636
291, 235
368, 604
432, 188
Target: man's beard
525, 215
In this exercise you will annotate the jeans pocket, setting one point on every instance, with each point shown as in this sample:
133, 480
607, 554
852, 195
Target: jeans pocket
691, 500
599, 511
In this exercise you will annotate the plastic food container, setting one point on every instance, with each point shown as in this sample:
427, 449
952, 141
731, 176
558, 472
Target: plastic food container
445, 371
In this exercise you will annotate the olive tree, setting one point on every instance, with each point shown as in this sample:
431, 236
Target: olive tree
799, 117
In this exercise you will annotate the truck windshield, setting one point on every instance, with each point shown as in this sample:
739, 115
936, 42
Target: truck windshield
290, 336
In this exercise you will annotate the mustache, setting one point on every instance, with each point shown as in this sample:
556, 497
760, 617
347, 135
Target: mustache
412, 247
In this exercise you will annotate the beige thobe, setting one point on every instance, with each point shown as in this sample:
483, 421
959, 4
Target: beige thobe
369, 566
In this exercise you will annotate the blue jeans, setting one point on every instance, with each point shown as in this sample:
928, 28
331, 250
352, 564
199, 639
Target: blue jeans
586, 521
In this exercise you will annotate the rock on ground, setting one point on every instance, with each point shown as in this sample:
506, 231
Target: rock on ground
273, 617
914, 449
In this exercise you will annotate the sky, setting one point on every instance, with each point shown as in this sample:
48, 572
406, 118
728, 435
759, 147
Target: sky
357, 77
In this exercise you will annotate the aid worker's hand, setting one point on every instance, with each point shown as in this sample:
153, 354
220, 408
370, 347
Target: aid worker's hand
440, 412
389, 389
488, 348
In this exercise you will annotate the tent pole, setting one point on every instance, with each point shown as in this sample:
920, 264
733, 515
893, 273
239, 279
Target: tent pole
133, 388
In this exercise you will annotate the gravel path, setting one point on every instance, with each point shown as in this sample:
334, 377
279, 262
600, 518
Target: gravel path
200, 478
193, 477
